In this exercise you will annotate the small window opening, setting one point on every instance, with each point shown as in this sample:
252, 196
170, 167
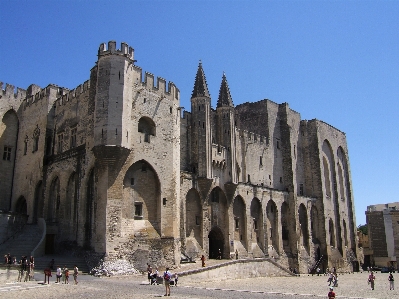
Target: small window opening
164, 201
300, 189
249, 178
144, 100
237, 222
278, 144
7, 153
260, 160
131, 181
255, 224
138, 210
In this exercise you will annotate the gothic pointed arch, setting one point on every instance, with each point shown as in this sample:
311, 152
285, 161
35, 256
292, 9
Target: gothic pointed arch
142, 195
9, 127
216, 242
343, 160
218, 217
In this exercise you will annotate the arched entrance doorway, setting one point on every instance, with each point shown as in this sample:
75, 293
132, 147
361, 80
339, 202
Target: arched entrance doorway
216, 242
21, 206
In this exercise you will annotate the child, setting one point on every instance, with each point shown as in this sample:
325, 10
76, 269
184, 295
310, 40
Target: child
66, 273
176, 279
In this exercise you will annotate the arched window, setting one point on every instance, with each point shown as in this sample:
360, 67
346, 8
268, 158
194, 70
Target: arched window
147, 127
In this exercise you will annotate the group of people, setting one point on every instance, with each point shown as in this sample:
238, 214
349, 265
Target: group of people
60, 273
332, 279
26, 266
167, 276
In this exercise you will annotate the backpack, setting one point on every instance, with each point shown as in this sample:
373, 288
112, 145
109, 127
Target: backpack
166, 276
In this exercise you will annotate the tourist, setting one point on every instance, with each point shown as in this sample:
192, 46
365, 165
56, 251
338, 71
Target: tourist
176, 279
75, 274
330, 278
371, 280
391, 280
47, 275
331, 294
219, 254
21, 270
149, 273
58, 275
66, 276
203, 260
166, 278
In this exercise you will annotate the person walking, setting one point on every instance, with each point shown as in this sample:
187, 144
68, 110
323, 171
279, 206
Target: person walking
203, 260
167, 276
176, 276
391, 280
66, 276
59, 274
330, 278
75, 274
149, 273
47, 275
371, 280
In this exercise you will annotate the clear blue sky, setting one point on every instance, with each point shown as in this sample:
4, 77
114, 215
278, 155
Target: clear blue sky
337, 61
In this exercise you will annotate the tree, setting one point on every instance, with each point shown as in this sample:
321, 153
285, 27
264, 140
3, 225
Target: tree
363, 228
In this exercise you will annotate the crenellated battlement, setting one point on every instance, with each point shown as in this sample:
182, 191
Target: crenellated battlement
10, 91
70, 95
36, 93
149, 83
251, 137
125, 50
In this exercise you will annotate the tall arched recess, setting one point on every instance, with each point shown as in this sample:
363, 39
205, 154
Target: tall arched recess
342, 158
193, 224
272, 225
142, 197
240, 227
219, 223
303, 223
9, 126
257, 233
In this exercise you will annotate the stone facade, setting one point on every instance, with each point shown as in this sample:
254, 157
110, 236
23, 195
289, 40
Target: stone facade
117, 166
383, 231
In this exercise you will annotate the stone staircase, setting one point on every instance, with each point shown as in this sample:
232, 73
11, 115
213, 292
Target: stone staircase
22, 243
61, 260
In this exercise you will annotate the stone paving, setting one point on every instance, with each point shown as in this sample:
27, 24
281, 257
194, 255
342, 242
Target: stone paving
136, 286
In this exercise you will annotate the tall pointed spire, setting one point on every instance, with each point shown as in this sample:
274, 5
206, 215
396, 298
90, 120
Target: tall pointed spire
200, 86
224, 94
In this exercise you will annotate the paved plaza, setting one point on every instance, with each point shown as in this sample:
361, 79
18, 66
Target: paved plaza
135, 286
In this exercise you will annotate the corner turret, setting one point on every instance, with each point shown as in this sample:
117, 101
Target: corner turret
125, 50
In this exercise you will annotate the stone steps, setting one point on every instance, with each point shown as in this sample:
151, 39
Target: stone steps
23, 243
61, 260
